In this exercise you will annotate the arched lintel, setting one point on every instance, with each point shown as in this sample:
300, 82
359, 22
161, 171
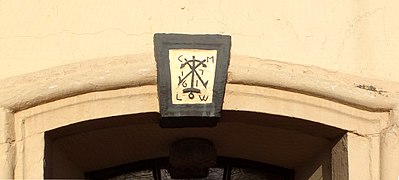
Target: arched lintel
32, 123
26, 91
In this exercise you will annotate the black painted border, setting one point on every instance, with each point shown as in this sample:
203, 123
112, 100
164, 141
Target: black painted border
162, 44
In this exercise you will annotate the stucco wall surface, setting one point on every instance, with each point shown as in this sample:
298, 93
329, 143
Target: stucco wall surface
354, 37
339, 56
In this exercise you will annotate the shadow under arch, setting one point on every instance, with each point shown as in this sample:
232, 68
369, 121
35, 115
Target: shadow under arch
288, 142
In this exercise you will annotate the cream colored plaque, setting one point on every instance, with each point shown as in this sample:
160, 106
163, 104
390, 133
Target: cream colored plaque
192, 75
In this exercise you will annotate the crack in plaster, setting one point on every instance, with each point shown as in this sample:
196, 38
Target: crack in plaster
351, 26
9, 141
78, 33
391, 129
384, 27
291, 27
369, 135
324, 42
393, 122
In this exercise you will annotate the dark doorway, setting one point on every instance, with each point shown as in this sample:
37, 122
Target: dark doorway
286, 142
225, 169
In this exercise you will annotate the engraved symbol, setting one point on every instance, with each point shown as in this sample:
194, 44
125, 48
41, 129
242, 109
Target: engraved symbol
193, 64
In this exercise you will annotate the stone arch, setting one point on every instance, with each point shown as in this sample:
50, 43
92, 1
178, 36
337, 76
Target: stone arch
46, 100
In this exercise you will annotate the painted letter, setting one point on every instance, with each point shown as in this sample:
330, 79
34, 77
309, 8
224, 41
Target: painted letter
177, 97
203, 98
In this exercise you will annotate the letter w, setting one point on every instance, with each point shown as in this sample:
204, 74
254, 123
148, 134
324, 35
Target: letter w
203, 98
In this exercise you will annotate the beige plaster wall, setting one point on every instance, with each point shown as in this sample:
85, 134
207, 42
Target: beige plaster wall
344, 37
355, 37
